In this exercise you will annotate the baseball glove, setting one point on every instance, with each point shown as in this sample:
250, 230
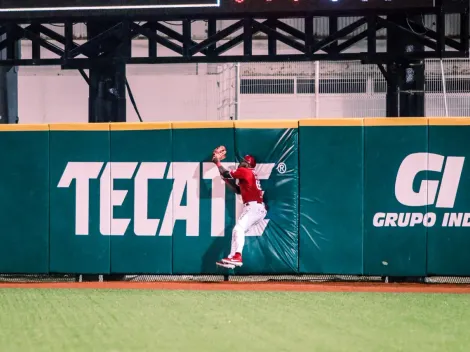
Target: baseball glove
219, 153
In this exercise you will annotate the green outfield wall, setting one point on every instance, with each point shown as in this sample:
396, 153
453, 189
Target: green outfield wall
382, 197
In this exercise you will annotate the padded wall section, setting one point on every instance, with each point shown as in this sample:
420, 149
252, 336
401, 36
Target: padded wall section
449, 239
203, 207
141, 198
80, 227
395, 201
272, 246
24, 199
331, 189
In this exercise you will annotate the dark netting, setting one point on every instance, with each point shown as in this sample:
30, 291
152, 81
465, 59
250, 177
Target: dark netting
37, 278
155, 278
447, 280
255, 278
17, 278
306, 278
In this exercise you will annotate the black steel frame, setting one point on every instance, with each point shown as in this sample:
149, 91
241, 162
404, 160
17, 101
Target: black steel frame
103, 47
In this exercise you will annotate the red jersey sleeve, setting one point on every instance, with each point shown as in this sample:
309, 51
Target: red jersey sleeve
238, 173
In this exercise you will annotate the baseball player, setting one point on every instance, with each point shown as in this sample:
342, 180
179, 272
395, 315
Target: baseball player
242, 181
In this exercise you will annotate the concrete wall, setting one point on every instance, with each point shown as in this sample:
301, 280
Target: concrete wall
51, 95
195, 92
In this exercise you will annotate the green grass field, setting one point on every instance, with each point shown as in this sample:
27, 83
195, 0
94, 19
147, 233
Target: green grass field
152, 320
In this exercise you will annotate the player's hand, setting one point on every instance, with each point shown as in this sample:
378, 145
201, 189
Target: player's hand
219, 154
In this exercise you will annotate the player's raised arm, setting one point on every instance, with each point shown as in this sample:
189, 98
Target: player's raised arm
219, 154
223, 171
231, 183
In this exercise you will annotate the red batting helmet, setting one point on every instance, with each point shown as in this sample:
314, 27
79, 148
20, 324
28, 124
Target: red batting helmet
250, 160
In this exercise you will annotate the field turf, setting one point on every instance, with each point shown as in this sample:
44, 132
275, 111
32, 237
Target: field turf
163, 320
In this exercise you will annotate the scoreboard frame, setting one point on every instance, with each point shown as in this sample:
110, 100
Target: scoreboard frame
100, 5
30, 9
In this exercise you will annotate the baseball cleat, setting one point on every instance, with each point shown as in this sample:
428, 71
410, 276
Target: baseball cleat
225, 265
235, 260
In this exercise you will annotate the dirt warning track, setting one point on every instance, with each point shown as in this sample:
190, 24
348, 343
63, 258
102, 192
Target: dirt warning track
257, 286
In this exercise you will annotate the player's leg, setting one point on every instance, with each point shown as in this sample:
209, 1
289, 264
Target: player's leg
258, 214
238, 232
236, 238
250, 216
254, 215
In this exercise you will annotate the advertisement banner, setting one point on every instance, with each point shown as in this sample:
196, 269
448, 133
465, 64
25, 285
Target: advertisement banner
331, 189
272, 245
24, 199
79, 199
140, 192
449, 196
395, 200
380, 197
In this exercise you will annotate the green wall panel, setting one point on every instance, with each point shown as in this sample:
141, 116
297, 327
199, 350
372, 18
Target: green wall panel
203, 208
274, 249
331, 188
24, 201
79, 243
141, 160
391, 245
449, 238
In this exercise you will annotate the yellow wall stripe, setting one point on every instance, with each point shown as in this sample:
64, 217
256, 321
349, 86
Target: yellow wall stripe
140, 126
202, 124
267, 124
79, 127
396, 121
449, 121
25, 127
274, 124
332, 122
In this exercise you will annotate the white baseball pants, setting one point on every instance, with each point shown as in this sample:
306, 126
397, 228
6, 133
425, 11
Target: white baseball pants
253, 212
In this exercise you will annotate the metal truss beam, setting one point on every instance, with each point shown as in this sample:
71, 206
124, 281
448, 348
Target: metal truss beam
214, 48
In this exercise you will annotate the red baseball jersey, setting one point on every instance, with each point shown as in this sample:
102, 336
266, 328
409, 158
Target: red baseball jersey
250, 187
